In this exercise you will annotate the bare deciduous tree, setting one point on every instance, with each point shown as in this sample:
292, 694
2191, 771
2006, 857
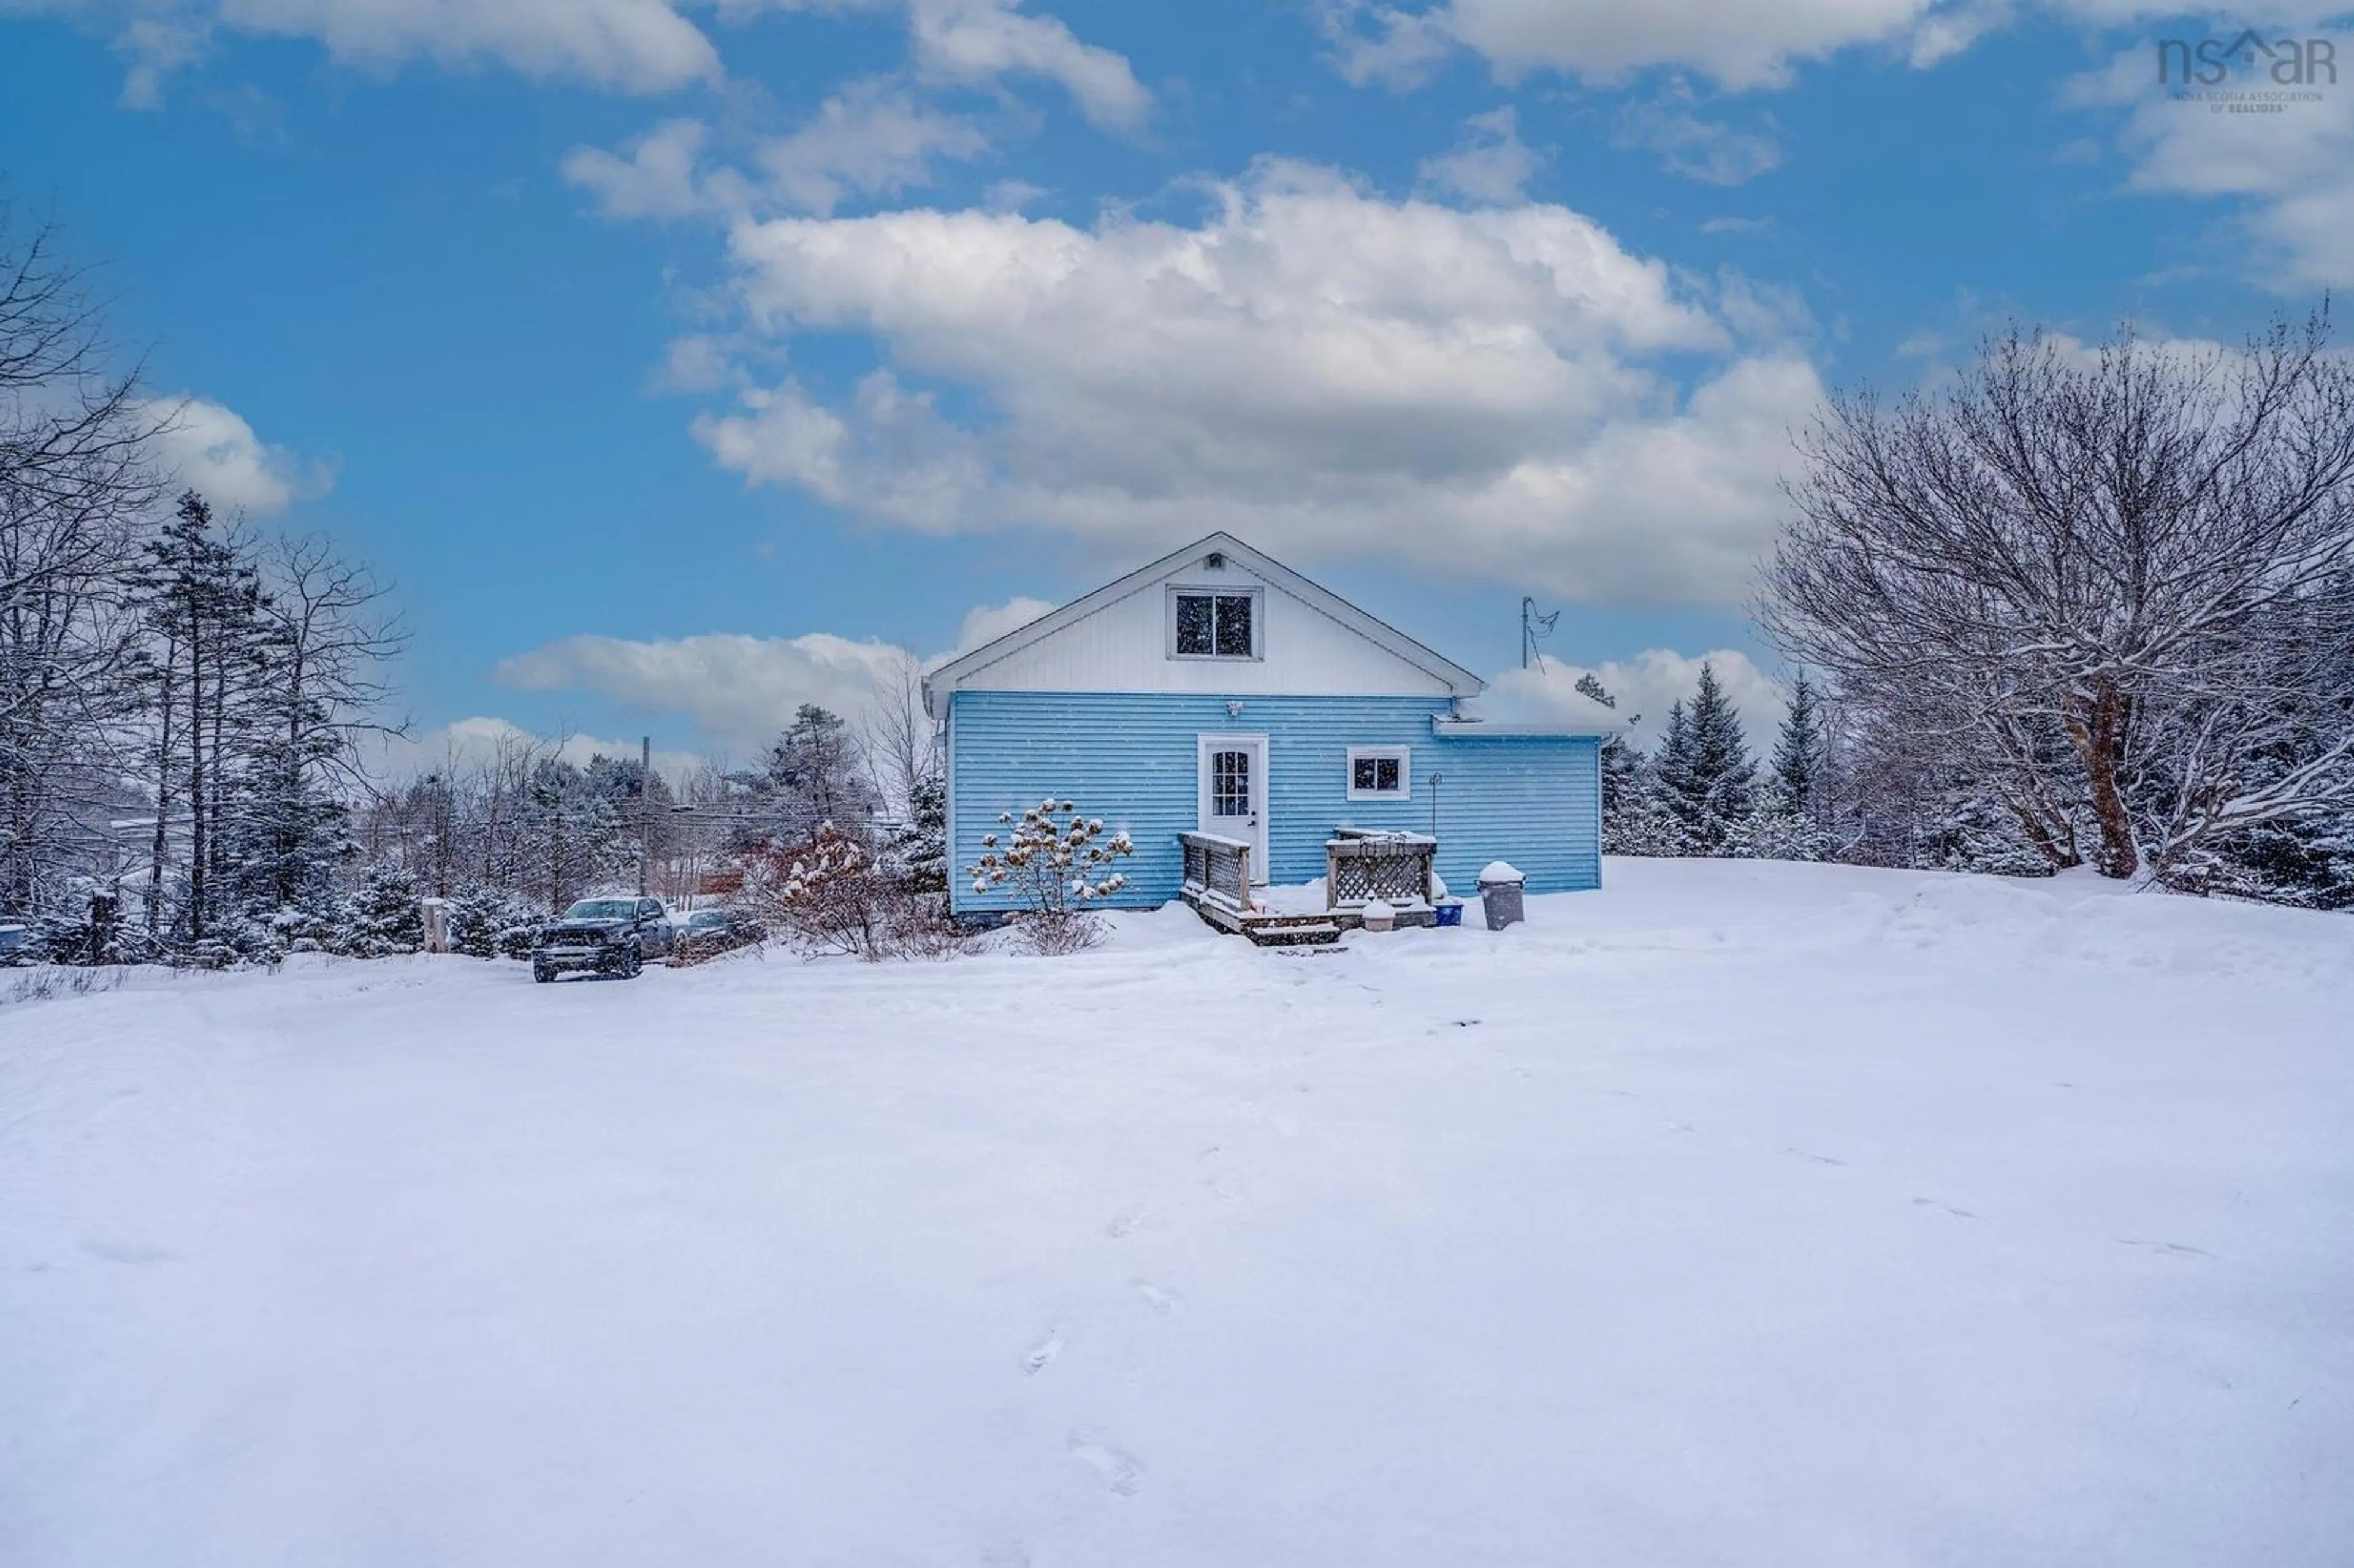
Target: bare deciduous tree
895, 735
74, 490
2124, 577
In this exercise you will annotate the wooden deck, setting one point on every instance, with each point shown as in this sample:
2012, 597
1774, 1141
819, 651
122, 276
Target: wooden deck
1361, 865
1217, 887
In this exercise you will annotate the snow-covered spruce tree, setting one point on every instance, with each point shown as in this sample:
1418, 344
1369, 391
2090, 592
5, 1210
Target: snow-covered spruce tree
321, 647
1791, 819
812, 774
570, 834
201, 598
487, 922
919, 850
1058, 864
2129, 571
1706, 778
382, 916
1799, 753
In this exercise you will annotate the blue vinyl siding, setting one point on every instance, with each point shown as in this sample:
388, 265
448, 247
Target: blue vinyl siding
1129, 759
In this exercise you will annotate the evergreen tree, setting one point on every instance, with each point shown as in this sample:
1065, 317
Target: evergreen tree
1791, 821
813, 777
384, 916
202, 601
1622, 761
920, 848
571, 834
492, 921
1799, 755
1706, 774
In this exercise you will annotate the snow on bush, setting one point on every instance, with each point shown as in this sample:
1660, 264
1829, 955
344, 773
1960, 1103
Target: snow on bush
492, 923
1056, 862
830, 894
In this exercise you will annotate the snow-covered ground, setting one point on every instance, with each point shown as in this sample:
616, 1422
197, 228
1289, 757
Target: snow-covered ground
1737, 1215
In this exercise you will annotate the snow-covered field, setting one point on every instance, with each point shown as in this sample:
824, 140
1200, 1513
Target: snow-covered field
1738, 1214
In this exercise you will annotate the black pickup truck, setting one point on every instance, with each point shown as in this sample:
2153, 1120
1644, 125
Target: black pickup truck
605, 937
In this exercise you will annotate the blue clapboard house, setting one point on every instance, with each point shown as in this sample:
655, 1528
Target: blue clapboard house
1218, 699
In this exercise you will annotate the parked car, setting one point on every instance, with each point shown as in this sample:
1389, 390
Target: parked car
710, 931
605, 936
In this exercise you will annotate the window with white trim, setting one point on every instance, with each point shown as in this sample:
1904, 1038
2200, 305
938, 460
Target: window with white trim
1380, 773
1204, 623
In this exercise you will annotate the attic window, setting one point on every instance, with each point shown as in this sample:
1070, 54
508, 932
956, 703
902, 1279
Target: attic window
1380, 773
1203, 625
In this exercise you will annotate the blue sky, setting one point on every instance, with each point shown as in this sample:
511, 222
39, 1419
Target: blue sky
679, 361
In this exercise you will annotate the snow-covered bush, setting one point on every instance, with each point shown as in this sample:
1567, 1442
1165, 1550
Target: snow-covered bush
830, 894
490, 922
1058, 863
382, 916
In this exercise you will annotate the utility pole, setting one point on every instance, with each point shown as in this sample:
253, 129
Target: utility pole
1532, 627
646, 808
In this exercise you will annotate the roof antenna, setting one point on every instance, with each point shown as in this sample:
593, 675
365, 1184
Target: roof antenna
1533, 629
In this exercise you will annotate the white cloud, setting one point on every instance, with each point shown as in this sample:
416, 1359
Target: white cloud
2290, 174
656, 180
1325, 371
1736, 43
1490, 164
633, 46
1646, 686
471, 742
869, 139
973, 41
739, 690
210, 448
987, 622
1693, 146
888, 455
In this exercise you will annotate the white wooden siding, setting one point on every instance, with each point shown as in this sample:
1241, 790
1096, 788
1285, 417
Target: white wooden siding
1124, 647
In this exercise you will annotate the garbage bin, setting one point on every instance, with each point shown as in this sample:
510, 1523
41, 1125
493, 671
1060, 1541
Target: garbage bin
1500, 895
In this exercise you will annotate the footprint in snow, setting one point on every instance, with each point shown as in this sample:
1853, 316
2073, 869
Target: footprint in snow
1043, 1354
1118, 1472
1159, 1298
1818, 1159
1932, 1202
2169, 1249
1125, 1224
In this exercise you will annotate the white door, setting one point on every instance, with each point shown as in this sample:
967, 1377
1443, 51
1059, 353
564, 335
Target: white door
1234, 793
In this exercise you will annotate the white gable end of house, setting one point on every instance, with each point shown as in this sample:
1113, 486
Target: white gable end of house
1123, 638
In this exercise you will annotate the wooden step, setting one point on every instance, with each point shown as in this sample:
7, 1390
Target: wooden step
1291, 931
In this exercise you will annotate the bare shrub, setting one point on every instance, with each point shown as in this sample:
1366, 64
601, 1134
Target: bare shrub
1059, 865
829, 894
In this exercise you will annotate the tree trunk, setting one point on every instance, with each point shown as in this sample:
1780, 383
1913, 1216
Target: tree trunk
2098, 731
195, 777
163, 789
